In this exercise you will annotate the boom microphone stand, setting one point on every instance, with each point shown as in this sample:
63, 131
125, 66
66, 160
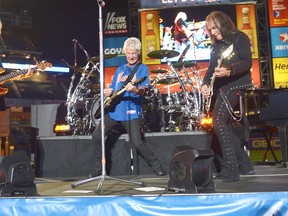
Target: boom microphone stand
102, 178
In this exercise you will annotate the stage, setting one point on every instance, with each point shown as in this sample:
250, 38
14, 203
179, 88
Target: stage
63, 161
264, 193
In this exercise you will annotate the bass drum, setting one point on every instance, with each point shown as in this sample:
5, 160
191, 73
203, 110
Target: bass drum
94, 107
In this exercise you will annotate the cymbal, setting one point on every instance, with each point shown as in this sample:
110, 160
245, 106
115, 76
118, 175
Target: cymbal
159, 71
97, 58
159, 54
78, 69
2, 70
168, 80
184, 64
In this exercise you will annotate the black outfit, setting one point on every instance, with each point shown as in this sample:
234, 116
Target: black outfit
132, 127
235, 159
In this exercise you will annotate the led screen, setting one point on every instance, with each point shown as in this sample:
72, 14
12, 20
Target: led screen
198, 43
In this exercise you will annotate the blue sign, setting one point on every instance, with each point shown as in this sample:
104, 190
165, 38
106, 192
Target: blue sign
279, 42
114, 46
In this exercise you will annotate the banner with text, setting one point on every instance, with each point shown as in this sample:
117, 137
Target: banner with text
278, 20
278, 12
280, 69
115, 27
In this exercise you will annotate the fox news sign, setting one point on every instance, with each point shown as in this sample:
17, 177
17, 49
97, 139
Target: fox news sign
116, 23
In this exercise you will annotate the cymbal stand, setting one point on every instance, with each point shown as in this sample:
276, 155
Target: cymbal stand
195, 94
102, 178
171, 123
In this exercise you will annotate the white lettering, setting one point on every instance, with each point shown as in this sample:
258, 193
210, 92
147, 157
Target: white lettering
117, 51
281, 47
114, 22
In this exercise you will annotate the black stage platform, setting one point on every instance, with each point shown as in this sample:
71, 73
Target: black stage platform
70, 156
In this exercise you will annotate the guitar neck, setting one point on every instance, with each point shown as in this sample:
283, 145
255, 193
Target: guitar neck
117, 93
11, 75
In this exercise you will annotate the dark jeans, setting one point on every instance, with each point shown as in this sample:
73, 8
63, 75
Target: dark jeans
132, 128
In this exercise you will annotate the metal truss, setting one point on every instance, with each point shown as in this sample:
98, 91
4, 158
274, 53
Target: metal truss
264, 45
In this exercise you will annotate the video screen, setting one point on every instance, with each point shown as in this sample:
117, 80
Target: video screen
195, 42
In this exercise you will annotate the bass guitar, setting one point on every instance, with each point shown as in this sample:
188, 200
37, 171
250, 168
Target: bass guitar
41, 66
108, 101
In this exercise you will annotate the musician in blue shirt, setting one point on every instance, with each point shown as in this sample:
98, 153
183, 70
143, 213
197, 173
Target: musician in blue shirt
127, 111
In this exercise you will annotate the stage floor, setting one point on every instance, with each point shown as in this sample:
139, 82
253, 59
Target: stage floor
268, 178
265, 193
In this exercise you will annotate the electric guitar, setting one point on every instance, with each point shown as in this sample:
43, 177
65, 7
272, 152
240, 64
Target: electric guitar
4, 78
108, 101
226, 53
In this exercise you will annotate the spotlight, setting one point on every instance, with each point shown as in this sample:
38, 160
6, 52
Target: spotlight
62, 129
206, 122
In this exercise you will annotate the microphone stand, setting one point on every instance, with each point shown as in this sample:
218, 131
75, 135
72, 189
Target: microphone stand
102, 178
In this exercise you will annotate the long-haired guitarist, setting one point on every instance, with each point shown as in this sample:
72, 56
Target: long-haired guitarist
230, 65
124, 105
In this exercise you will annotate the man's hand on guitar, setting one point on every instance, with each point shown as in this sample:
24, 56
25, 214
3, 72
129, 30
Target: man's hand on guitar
28, 74
205, 90
131, 88
108, 91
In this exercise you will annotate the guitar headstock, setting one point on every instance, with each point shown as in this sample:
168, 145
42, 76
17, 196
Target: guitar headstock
42, 65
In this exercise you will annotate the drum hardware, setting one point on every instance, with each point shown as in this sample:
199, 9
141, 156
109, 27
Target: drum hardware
181, 65
79, 93
95, 59
161, 54
159, 71
168, 81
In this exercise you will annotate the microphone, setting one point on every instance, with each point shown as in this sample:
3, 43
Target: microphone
75, 55
101, 3
80, 45
82, 48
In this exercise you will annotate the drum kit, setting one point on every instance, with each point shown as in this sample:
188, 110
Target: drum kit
83, 97
174, 111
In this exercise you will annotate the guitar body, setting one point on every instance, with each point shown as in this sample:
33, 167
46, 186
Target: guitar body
111, 101
107, 105
225, 54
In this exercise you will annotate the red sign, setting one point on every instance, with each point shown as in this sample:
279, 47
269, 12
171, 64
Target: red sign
278, 12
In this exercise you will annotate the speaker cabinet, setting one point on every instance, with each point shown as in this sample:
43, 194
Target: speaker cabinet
16, 175
190, 170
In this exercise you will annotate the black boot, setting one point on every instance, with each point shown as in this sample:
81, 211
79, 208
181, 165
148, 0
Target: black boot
157, 167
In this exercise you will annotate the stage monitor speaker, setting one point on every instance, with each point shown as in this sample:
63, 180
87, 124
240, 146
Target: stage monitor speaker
16, 175
190, 170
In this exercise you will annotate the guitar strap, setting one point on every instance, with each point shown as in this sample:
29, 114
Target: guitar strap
119, 97
129, 78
